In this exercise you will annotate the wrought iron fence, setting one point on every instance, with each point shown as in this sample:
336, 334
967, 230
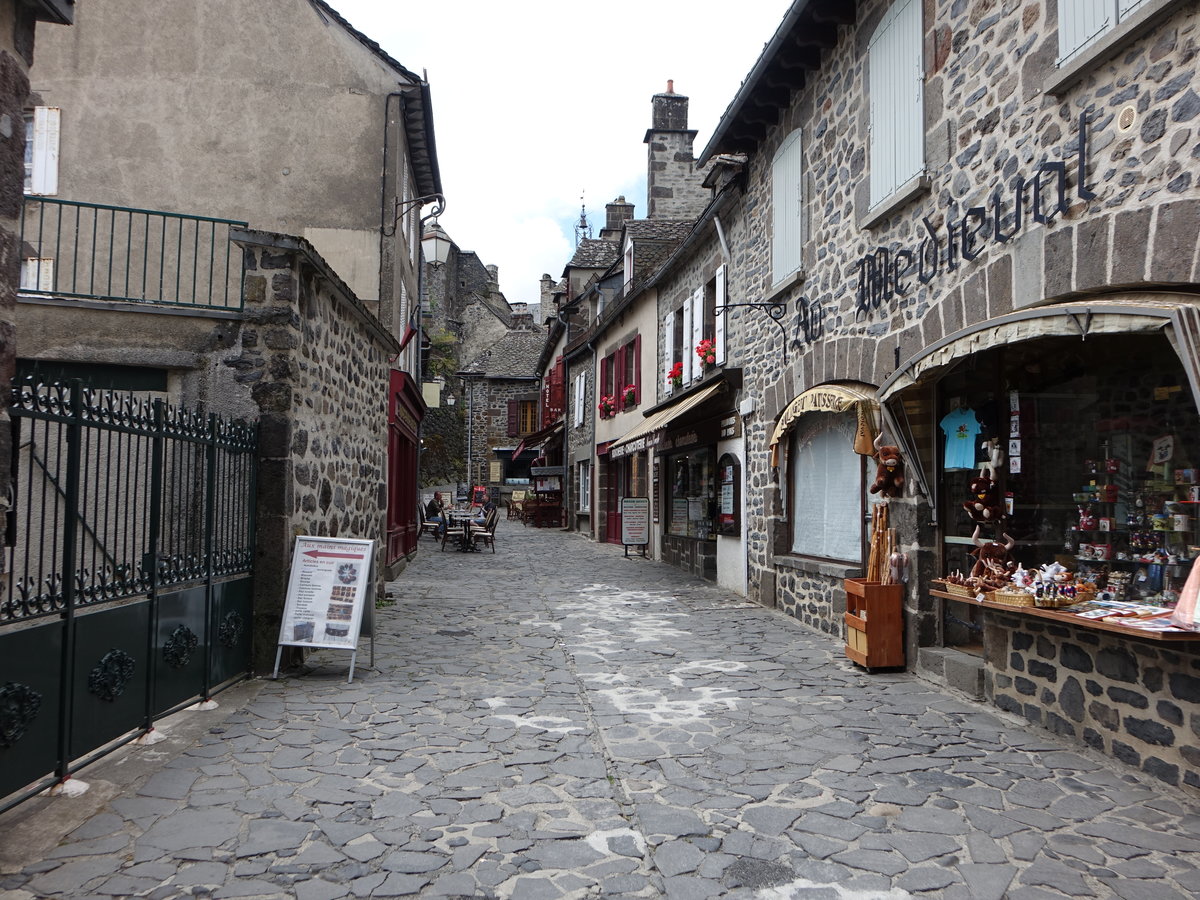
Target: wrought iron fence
126, 587
95, 252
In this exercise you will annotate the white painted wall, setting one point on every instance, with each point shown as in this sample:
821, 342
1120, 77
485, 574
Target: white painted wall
731, 551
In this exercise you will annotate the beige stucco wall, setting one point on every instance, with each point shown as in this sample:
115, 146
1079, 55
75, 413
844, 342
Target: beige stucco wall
261, 112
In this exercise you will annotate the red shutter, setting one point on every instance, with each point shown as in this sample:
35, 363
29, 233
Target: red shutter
619, 378
637, 367
605, 365
512, 418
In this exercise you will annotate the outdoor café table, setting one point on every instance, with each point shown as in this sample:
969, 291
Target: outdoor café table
460, 519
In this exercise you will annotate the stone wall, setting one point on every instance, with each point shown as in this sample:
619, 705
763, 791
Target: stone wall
316, 364
488, 420
579, 442
1136, 700
697, 557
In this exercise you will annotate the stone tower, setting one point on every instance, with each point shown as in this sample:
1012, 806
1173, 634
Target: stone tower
674, 188
616, 214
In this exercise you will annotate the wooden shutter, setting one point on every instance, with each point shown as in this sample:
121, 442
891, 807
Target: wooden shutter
580, 397
688, 353
637, 368
697, 329
719, 320
1080, 21
513, 424
787, 173
45, 150
603, 387
619, 378
896, 84
669, 349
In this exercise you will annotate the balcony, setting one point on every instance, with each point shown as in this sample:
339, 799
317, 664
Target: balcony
89, 251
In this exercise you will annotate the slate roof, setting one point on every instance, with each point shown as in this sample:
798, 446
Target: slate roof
658, 229
515, 355
593, 253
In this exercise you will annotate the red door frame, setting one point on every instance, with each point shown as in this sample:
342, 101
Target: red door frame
616, 489
406, 410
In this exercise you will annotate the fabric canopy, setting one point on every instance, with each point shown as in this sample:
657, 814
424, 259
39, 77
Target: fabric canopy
537, 439
837, 396
659, 420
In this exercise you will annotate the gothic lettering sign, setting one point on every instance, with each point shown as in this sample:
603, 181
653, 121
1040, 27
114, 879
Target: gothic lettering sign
810, 323
1040, 195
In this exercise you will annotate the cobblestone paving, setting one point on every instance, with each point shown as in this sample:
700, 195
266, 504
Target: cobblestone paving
557, 721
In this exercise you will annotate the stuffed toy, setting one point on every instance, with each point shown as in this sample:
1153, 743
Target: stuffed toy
993, 568
984, 505
994, 452
889, 476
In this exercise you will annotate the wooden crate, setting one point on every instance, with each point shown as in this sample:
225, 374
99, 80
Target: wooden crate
874, 623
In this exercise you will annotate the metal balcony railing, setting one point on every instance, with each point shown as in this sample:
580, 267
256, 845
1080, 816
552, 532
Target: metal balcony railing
90, 251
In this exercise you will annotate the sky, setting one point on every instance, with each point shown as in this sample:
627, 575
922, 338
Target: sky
537, 103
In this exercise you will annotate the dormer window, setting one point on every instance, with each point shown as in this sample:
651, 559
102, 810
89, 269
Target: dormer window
628, 282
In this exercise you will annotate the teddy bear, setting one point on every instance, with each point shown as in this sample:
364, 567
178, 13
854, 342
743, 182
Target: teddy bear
984, 503
889, 476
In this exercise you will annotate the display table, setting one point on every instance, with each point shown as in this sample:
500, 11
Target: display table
1059, 615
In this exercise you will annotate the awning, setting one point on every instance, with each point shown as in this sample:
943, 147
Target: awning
537, 439
1142, 313
837, 396
637, 438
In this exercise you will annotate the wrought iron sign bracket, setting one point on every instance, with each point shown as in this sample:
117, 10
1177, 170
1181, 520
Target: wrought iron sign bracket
775, 310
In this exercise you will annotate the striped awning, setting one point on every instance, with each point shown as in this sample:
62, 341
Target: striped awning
628, 442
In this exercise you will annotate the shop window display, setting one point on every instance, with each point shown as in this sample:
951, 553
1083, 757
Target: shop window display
692, 498
827, 488
1079, 458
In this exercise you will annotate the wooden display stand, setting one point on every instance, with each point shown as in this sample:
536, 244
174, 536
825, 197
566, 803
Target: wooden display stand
874, 623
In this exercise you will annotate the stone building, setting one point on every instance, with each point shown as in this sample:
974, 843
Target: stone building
972, 225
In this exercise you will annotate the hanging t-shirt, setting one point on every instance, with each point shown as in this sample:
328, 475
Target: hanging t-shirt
961, 429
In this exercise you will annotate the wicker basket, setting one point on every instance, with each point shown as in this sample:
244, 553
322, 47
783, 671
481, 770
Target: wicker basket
958, 590
1011, 598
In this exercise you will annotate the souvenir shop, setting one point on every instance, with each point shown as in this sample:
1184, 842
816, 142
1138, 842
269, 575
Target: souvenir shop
1059, 450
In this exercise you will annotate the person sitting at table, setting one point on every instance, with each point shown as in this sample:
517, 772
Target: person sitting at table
434, 513
480, 515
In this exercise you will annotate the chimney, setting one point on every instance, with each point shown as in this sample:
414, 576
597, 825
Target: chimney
617, 214
674, 186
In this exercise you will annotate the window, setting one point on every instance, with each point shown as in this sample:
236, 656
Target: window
628, 264
787, 173
527, 417
692, 322
828, 492
621, 375
691, 494
1080, 22
584, 486
897, 110
41, 150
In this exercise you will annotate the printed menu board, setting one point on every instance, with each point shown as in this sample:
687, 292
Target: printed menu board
327, 591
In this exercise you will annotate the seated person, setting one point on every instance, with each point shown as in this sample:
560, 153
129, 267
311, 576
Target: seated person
480, 515
434, 513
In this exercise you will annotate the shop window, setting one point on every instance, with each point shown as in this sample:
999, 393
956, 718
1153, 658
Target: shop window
827, 488
896, 103
583, 487
787, 180
691, 499
1100, 464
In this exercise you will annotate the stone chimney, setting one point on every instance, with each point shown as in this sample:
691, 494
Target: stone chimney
546, 298
617, 214
674, 184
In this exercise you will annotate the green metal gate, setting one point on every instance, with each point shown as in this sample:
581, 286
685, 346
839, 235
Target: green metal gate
126, 590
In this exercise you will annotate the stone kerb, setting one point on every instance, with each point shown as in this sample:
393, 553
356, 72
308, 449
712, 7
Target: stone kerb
316, 363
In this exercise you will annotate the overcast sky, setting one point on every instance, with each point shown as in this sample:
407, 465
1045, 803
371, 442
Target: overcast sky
536, 102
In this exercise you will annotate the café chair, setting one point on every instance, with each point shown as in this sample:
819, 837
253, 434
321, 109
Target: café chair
516, 505
427, 527
486, 533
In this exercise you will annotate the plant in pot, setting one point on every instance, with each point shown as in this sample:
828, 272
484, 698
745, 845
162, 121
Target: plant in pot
675, 376
607, 407
629, 395
707, 352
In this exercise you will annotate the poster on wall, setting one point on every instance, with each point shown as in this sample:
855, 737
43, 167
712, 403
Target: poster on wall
328, 591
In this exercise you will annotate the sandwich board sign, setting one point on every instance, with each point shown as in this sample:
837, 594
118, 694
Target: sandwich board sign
635, 523
329, 596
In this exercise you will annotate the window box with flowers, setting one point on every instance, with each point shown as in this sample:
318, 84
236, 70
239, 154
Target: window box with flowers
629, 396
675, 376
607, 407
707, 351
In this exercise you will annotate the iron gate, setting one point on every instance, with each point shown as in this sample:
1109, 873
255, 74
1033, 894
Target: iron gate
126, 591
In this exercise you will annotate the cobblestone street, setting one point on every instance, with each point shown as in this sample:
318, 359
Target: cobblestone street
555, 720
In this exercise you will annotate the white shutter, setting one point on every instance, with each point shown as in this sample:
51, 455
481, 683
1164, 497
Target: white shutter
37, 275
897, 105
1125, 7
669, 349
686, 352
697, 330
787, 173
45, 150
1081, 21
719, 325
580, 398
